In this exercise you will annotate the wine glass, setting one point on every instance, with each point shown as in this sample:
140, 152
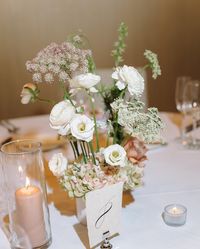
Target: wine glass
181, 82
191, 103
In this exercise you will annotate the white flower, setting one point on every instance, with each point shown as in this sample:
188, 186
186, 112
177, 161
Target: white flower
130, 77
43, 69
60, 116
82, 128
63, 76
87, 81
29, 92
73, 66
58, 164
115, 155
48, 77
37, 77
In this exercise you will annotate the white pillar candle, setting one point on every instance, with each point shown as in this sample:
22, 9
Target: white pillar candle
30, 214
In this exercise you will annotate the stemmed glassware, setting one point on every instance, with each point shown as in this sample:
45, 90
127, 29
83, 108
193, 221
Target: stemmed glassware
181, 83
191, 103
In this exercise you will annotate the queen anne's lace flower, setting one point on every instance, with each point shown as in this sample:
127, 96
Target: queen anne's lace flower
60, 59
63, 76
37, 77
48, 77
43, 69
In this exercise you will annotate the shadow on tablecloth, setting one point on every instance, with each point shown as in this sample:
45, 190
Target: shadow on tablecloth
82, 232
62, 202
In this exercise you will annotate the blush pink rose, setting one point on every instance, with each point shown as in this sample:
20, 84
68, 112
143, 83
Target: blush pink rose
135, 150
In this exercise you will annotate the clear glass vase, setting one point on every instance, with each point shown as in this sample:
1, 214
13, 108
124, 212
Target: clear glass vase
26, 195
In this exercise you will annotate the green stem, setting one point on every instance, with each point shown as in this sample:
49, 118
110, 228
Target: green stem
146, 66
74, 151
92, 151
107, 139
85, 149
66, 94
116, 129
83, 153
95, 122
76, 147
46, 100
88, 149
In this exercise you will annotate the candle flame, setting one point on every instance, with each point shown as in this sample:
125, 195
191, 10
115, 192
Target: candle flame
27, 182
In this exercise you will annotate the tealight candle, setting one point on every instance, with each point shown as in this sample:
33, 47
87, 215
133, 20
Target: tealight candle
175, 215
30, 214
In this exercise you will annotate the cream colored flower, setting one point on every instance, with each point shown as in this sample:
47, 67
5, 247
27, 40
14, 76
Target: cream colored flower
115, 155
129, 77
60, 116
87, 81
29, 93
58, 164
82, 128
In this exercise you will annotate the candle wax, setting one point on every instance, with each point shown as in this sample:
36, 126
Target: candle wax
30, 214
175, 211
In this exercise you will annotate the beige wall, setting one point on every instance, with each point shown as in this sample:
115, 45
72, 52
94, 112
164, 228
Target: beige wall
168, 27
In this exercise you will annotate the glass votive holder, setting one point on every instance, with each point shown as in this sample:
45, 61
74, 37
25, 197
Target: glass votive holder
25, 187
175, 215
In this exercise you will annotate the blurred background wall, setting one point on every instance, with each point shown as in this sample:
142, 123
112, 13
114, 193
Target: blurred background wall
168, 27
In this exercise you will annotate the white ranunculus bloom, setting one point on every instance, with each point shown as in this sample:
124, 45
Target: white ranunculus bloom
27, 93
60, 116
58, 164
82, 128
87, 81
130, 77
115, 155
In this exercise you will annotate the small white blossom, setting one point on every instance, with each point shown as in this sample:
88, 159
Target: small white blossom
129, 77
48, 77
63, 76
58, 164
115, 155
77, 38
37, 77
73, 66
43, 69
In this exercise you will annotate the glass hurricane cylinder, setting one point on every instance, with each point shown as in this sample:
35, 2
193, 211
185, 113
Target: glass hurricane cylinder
23, 172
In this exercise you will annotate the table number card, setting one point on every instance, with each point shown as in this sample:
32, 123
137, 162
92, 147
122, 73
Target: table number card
103, 207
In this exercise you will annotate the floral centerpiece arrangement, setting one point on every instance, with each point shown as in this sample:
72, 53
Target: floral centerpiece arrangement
127, 125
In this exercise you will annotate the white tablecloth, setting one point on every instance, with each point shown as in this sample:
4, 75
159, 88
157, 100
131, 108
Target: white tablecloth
172, 175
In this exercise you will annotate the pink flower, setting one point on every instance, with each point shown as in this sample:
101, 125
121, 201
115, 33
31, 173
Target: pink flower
135, 150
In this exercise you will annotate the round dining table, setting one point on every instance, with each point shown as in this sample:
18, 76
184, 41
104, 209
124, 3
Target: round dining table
171, 175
